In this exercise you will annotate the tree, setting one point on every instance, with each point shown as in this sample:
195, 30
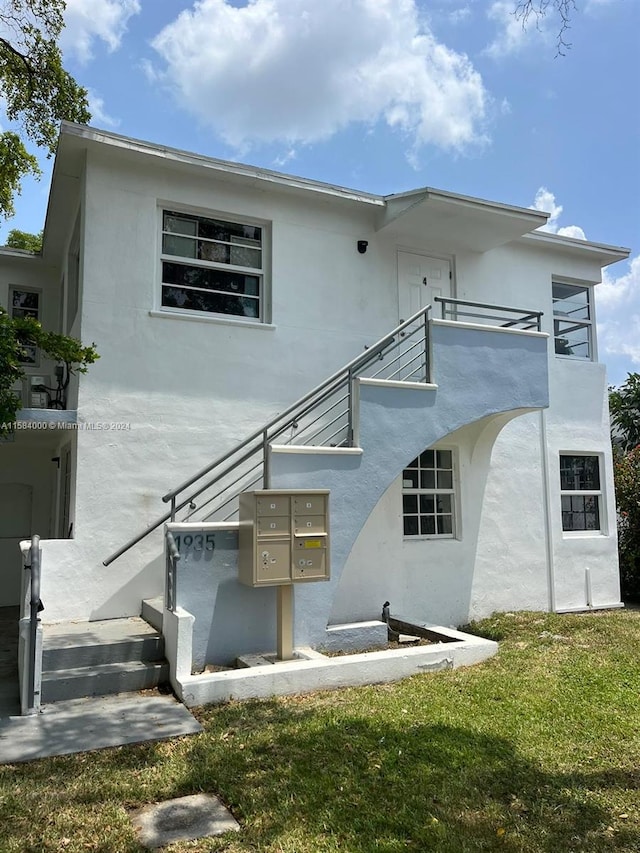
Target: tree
38, 93
624, 408
23, 240
15, 334
626, 470
536, 10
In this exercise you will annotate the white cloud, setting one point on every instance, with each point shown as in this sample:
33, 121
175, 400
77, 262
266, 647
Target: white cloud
88, 20
99, 115
513, 34
618, 306
300, 70
545, 201
457, 16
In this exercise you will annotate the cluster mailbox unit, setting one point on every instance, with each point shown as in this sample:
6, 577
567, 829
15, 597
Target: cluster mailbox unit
284, 537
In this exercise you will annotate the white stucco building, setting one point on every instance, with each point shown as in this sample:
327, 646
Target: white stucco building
474, 478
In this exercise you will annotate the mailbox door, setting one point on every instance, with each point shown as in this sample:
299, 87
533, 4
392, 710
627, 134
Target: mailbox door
309, 565
273, 561
273, 525
309, 505
273, 505
309, 524
309, 560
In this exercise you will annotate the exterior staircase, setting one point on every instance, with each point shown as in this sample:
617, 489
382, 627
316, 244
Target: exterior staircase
477, 365
81, 659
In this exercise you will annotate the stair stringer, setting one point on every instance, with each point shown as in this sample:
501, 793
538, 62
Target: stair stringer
480, 372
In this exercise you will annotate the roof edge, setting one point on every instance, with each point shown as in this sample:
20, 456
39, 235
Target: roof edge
428, 193
615, 253
177, 155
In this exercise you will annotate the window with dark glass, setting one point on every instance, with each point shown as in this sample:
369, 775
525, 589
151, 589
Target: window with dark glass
572, 320
428, 496
212, 265
580, 492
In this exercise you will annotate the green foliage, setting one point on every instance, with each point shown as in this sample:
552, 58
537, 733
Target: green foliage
624, 407
10, 370
37, 91
23, 240
15, 333
626, 470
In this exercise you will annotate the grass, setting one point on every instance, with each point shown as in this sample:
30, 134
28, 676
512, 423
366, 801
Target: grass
535, 750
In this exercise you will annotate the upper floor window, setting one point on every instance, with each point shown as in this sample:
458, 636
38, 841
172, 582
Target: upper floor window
428, 496
212, 265
580, 492
572, 320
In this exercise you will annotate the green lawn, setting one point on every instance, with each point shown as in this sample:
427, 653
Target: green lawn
535, 750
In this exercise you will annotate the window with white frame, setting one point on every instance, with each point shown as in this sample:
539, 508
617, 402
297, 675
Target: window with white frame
428, 495
212, 265
580, 492
572, 320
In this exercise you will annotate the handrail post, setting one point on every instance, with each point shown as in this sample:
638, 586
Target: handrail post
173, 508
427, 367
350, 408
266, 460
35, 606
172, 559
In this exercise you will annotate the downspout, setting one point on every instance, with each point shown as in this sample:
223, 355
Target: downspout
544, 455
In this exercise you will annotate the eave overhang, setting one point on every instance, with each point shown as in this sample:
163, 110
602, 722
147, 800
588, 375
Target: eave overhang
601, 253
453, 223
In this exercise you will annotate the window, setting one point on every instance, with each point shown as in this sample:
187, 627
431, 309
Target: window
580, 492
428, 496
572, 320
212, 265
25, 302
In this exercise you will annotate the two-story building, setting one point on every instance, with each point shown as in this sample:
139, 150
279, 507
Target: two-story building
469, 461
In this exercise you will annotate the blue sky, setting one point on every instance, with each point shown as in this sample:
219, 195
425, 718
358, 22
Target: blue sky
384, 96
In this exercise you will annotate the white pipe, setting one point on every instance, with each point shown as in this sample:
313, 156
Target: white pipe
587, 579
548, 521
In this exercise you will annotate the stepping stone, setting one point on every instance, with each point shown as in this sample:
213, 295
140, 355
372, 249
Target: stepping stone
183, 819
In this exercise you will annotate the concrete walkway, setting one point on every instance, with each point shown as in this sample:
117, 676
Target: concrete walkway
80, 725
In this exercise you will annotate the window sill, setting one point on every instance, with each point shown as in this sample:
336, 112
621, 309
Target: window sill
580, 358
584, 534
217, 321
448, 537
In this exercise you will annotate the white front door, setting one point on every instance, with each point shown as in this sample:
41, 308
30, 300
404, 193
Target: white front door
15, 525
420, 280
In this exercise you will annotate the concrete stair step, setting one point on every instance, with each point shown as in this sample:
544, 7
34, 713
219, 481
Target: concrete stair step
72, 645
120, 677
153, 611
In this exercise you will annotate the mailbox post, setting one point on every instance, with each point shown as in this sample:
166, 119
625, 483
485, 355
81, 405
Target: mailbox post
284, 539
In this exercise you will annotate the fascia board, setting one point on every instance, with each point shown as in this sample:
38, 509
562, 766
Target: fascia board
604, 253
93, 136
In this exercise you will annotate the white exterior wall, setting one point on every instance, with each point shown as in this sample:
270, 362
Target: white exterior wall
191, 388
521, 558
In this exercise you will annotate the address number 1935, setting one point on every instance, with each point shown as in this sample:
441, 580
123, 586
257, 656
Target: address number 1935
195, 541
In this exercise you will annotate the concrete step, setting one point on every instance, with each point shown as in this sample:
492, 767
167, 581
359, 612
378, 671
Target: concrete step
153, 611
72, 645
121, 677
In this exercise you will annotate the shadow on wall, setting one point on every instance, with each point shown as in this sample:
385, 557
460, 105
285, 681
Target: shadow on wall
427, 580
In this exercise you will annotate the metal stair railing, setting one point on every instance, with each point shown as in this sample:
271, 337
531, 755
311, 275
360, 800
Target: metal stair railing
322, 417
494, 315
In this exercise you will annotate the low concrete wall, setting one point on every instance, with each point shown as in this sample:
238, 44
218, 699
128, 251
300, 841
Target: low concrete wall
325, 673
